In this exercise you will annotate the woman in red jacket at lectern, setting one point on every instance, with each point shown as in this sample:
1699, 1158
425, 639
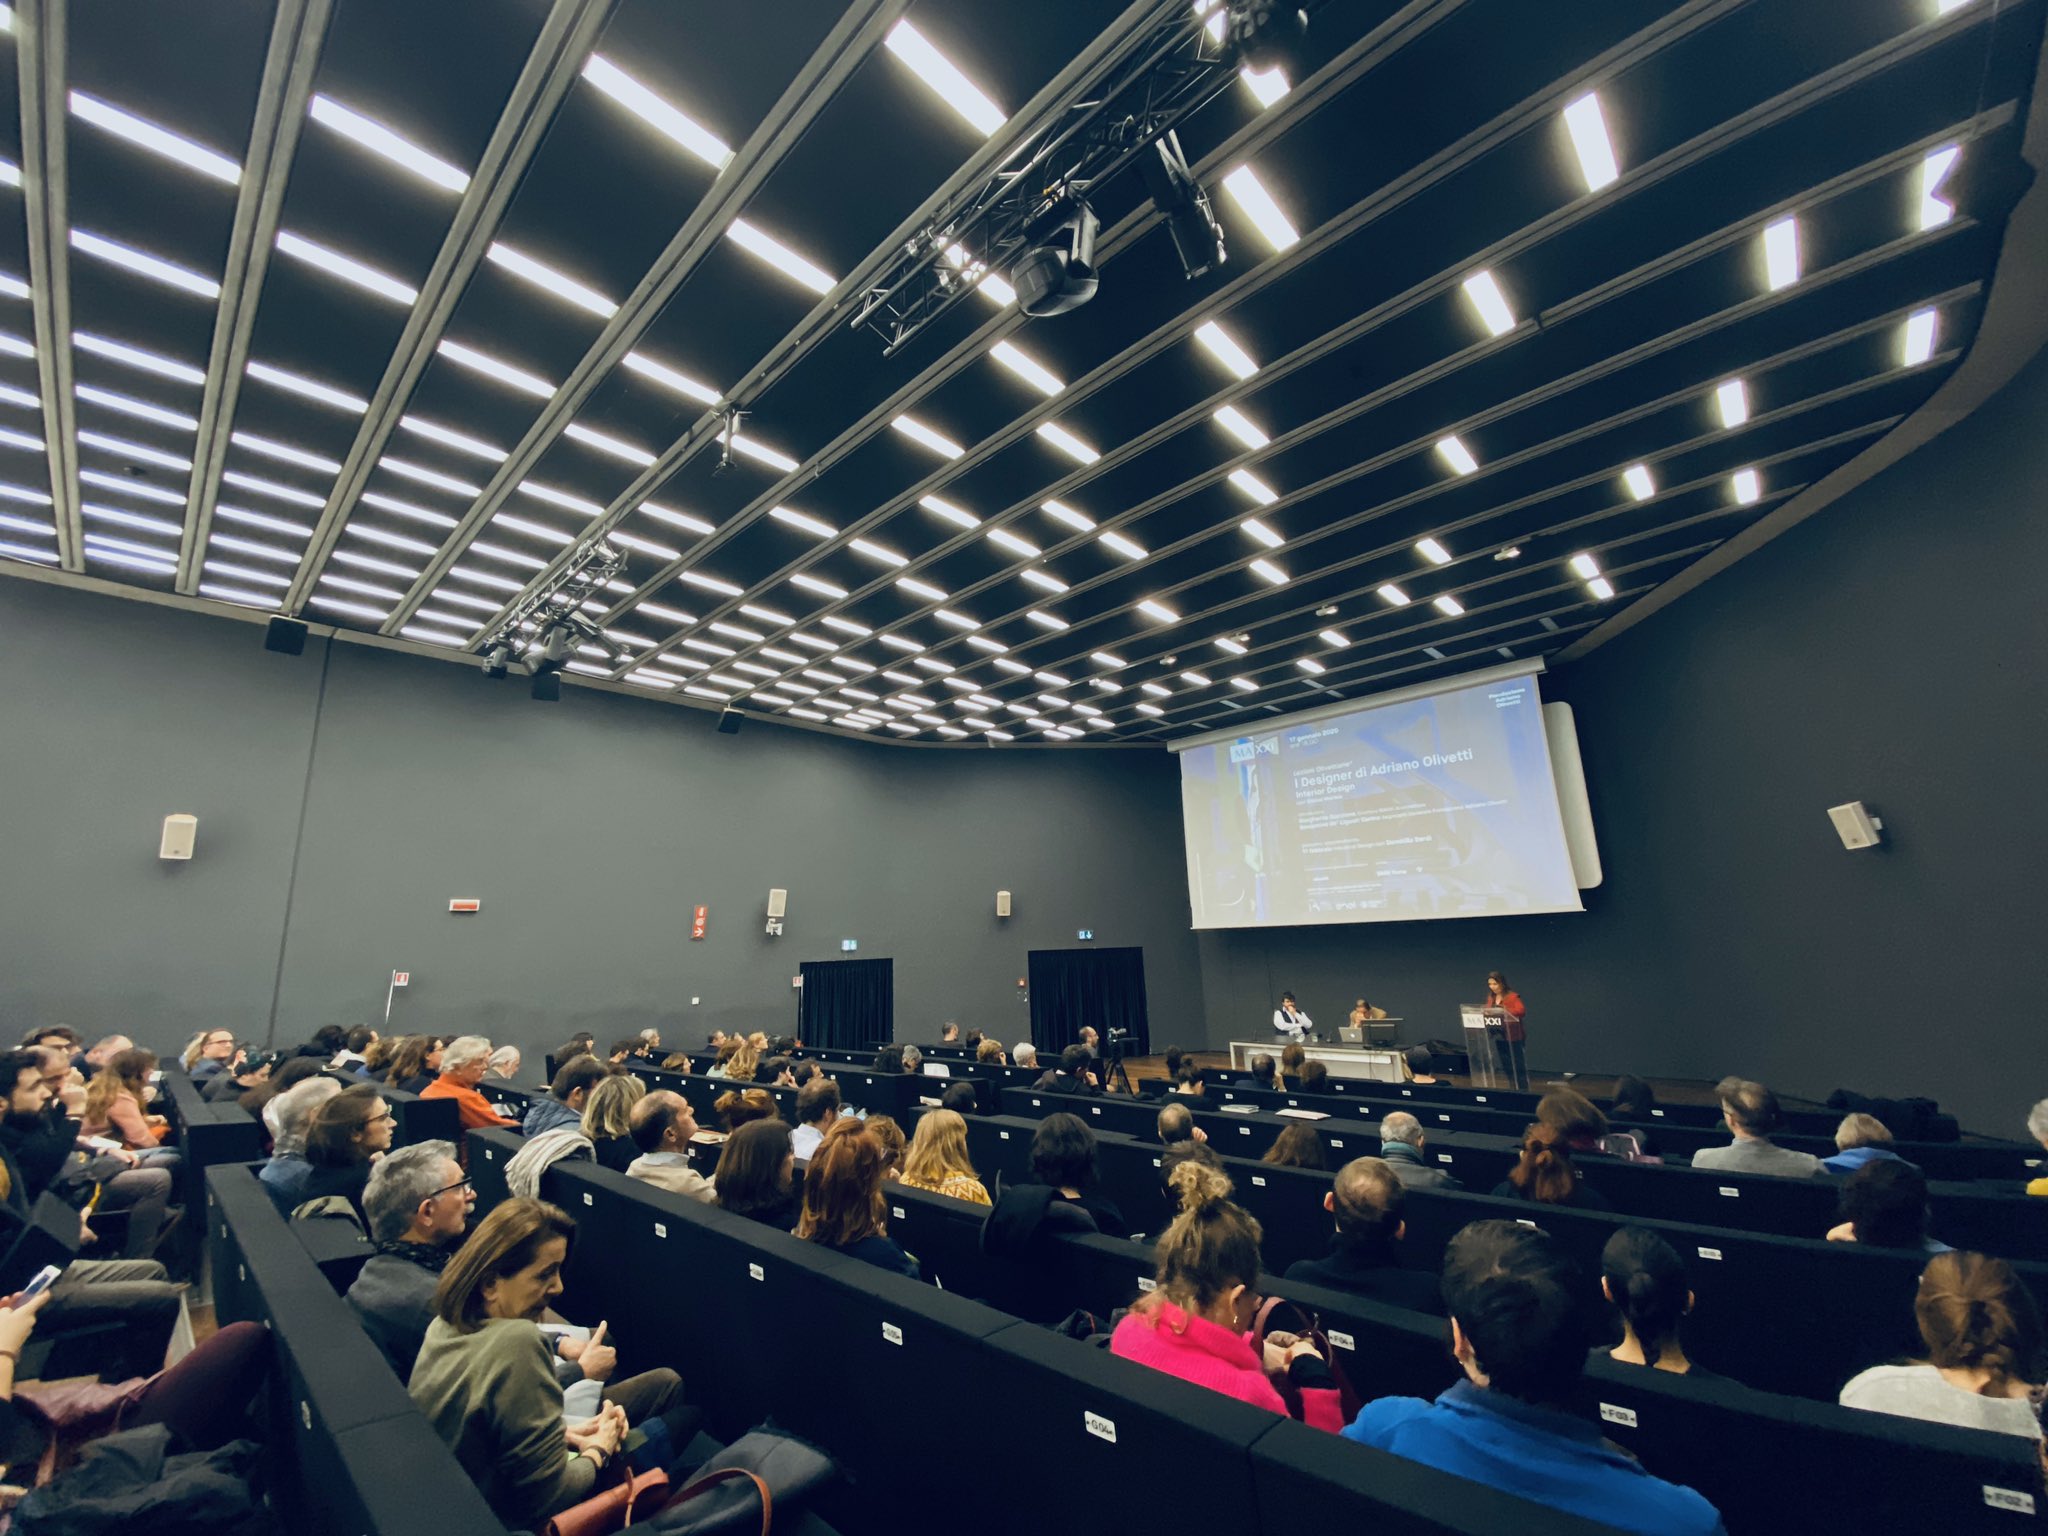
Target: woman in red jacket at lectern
1500, 995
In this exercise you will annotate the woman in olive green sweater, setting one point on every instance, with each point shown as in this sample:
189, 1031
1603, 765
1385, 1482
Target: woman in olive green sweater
485, 1375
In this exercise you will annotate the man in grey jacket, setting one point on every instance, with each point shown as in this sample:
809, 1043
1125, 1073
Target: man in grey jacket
1751, 1112
418, 1203
1401, 1145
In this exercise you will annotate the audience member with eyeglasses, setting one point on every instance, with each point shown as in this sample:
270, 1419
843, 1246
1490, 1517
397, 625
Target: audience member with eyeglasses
417, 1203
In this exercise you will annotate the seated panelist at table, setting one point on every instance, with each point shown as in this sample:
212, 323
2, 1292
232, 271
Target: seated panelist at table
1363, 1013
1289, 1022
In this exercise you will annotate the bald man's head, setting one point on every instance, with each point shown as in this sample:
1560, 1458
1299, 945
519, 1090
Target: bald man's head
1176, 1123
1367, 1199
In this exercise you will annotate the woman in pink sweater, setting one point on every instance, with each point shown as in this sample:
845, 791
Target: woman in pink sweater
1196, 1324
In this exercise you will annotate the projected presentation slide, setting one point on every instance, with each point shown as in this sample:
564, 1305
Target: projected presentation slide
1435, 807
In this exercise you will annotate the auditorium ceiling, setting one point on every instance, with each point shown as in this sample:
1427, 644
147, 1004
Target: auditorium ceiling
391, 315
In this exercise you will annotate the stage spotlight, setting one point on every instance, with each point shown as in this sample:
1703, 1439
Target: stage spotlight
285, 636
1266, 34
547, 686
497, 659
1197, 236
1059, 274
557, 646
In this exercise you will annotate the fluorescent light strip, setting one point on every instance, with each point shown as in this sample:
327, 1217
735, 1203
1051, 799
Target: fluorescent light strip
379, 140
134, 520
1393, 596
945, 78
1230, 646
16, 346
13, 439
989, 284
1447, 605
1336, 639
9, 395
1731, 399
1254, 487
1005, 539
347, 268
876, 552
12, 286
815, 584
1588, 130
223, 511
1483, 293
1916, 344
1256, 204
407, 509
939, 507
665, 118
1748, 487
761, 453
1781, 254
1027, 367
310, 389
1601, 588
158, 141
1457, 455
1061, 513
1641, 484
10, 174
1584, 566
491, 368
1311, 666
1129, 548
270, 448
121, 446
581, 505
613, 447
1045, 581
1241, 427
957, 620
1266, 87
922, 589
547, 279
669, 378
1072, 446
1262, 533
1432, 551
1219, 345
925, 437
1936, 211
1158, 611
756, 242
145, 265
805, 521
135, 357
1268, 572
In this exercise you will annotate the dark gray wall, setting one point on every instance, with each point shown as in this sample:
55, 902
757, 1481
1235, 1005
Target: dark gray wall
589, 829
1890, 649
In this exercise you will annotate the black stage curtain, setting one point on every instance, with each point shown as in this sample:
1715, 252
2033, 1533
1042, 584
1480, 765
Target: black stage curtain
847, 1003
1073, 987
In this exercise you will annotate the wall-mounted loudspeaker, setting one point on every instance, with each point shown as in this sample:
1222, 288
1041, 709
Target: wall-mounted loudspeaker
778, 901
284, 635
729, 722
1002, 903
179, 832
1856, 827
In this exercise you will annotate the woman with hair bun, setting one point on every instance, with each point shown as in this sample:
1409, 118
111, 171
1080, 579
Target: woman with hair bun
1984, 1365
1546, 1175
1643, 1279
1196, 1323
740, 1106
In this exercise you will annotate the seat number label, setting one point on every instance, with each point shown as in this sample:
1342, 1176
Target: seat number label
1099, 1427
891, 1334
1615, 1414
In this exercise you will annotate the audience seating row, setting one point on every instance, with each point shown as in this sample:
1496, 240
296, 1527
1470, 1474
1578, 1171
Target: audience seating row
349, 1453
1791, 1315
818, 1339
2006, 1222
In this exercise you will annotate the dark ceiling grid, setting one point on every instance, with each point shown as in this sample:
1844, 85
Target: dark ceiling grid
1554, 452
826, 318
40, 42
1260, 133
727, 196
1757, 117
565, 41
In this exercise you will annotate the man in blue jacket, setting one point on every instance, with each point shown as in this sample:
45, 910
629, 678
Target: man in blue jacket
1518, 1329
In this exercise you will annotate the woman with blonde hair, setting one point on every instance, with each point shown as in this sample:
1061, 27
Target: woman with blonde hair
844, 1208
990, 1053
1985, 1363
745, 1065
938, 1161
1196, 1322
485, 1376
608, 1119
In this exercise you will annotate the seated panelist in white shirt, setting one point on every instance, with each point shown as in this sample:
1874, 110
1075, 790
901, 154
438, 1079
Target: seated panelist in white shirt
1289, 1022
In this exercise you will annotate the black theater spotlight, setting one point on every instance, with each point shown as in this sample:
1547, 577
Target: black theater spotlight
547, 687
1058, 273
1197, 236
497, 660
729, 721
1266, 34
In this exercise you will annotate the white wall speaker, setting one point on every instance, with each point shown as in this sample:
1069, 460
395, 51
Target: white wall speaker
179, 833
1856, 827
778, 901
1002, 903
